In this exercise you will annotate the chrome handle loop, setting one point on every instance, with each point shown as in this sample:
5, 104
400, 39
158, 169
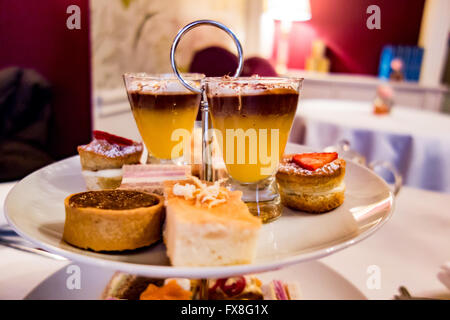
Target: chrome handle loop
196, 24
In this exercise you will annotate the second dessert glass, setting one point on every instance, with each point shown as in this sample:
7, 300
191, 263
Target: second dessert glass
164, 111
252, 118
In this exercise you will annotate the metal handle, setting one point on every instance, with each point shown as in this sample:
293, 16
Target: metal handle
398, 181
191, 26
207, 169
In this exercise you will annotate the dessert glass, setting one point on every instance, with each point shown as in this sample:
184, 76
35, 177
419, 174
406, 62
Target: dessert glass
252, 118
165, 112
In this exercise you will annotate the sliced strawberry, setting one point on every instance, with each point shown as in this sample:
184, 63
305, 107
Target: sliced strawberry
314, 161
111, 138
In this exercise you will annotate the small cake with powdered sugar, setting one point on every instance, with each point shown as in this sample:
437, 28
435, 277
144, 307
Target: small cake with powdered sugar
312, 182
102, 159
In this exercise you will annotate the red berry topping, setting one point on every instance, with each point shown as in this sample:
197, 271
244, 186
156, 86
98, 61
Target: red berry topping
313, 161
111, 138
236, 287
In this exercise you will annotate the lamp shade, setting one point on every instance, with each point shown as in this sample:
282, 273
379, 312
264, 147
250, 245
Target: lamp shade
289, 10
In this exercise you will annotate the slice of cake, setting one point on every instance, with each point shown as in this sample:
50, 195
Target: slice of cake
208, 225
102, 159
150, 177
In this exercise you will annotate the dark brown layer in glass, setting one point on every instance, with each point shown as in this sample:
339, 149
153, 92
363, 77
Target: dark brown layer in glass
164, 101
280, 101
113, 200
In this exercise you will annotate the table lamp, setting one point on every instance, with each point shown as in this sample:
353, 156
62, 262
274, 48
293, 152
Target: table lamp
287, 11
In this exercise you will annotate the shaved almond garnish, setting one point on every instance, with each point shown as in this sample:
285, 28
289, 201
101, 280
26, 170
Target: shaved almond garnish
203, 194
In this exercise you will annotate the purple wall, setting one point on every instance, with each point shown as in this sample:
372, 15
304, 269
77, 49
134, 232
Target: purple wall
33, 34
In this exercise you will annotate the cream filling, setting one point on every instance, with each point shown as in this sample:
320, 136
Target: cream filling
107, 173
339, 188
185, 284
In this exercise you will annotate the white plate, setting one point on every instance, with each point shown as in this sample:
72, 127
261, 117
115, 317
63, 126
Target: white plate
35, 209
316, 280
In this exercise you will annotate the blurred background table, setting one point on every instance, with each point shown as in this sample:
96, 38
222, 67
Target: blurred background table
408, 250
417, 142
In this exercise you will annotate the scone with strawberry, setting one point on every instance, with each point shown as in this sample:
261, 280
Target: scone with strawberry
102, 159
312, 182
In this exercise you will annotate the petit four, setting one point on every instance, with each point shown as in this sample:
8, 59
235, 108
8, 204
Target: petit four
208, 225
173, 289
124, 286
113, 220
150, 177
279, 290
312, 182
102, 159
235, 288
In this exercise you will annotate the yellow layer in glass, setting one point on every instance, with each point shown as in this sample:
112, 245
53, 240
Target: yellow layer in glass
156, 128
258, 160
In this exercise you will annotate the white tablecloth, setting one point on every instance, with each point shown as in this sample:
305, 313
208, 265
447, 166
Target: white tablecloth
416, 142
408, 251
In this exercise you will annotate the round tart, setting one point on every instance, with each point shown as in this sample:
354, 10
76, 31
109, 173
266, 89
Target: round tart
113, 220
308, 190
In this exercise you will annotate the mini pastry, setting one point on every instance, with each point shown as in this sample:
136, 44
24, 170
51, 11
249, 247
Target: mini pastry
279, 290
113, 220
235, 288
312, 182
124, 286
208, 225
173, 289
150, 177
102, 159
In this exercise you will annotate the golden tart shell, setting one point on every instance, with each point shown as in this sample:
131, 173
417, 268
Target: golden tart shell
113, 225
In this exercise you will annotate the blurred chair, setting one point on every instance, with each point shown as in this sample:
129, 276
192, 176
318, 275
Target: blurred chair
61, 56
214, 62
217, 62
25, 110
259, 66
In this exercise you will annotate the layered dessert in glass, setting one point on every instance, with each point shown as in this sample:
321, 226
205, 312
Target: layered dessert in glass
164, 110
252, 118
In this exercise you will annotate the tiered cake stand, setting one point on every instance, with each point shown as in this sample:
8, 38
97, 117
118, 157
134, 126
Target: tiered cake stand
35, 209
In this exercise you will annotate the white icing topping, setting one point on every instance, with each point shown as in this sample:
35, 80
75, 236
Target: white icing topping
185, 284
212, 195
112, 150
291, 167
186, 191
226, 86
162, 86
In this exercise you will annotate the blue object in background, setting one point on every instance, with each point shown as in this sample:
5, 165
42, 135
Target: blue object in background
411, 57
416, 63
387, 54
